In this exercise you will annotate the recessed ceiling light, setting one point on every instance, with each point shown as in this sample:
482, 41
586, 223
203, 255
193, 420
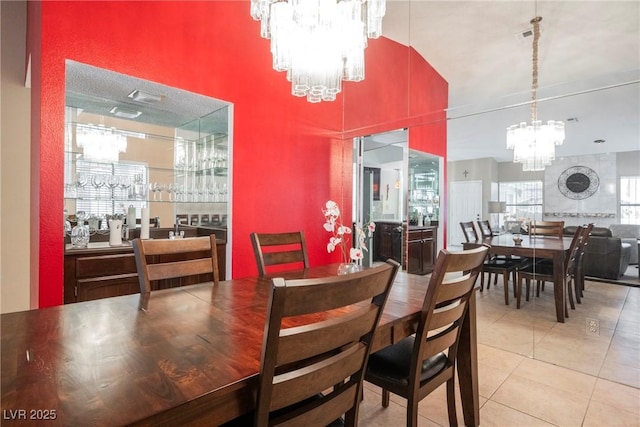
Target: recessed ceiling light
599, 141
124, 113
145, 97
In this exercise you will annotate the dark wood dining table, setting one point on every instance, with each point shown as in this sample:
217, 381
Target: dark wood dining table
535, 247
181, 356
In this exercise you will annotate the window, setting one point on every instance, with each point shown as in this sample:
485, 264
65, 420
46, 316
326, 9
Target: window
630, 199
523, 198
109, 188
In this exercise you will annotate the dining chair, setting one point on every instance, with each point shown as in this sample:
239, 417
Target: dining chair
316, 343
493, 265
469, 231
415, 366
576, 268
278, 249
543, 271
485, 228
546, 228
160, 259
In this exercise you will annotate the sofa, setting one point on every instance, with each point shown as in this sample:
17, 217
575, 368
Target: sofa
629, 233
605, 256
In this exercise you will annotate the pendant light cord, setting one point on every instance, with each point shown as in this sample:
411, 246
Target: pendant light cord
534, 84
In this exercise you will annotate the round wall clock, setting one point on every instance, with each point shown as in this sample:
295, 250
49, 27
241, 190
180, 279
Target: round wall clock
578, 182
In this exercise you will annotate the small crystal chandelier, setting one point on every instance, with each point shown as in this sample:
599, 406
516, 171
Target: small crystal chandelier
534, 145
319, 43
100, 143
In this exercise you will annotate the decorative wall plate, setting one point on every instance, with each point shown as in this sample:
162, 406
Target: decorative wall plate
578, 182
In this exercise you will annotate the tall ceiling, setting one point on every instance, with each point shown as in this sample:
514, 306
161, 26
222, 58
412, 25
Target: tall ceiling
589, 69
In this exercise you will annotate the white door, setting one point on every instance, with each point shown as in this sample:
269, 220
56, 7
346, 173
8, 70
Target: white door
465, 204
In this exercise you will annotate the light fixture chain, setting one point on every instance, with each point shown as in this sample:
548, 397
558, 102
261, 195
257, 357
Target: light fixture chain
534, 84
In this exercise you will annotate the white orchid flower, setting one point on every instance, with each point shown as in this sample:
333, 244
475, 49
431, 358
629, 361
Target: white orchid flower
356, 254
343, 230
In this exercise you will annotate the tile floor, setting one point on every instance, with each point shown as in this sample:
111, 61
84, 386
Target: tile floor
534, 371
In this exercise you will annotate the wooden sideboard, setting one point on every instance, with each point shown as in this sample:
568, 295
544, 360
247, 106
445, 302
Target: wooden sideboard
102, 271
419, 244
422, 246
387, 241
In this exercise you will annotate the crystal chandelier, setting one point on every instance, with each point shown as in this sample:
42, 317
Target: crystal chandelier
319, 43
534, 145
100, 143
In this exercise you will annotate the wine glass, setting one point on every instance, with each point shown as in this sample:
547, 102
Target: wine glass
98, 181
81, 180
153, 186
125, 183
112, 181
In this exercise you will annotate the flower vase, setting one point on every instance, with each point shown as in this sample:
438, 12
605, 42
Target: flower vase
348, 268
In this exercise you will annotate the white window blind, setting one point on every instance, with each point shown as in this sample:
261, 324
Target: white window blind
630, 199
524, 199
110, 188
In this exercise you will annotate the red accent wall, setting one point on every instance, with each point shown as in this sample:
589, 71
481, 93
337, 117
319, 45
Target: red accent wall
290, 156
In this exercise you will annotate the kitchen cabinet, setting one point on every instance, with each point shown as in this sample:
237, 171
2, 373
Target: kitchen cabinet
388, 241
421, 249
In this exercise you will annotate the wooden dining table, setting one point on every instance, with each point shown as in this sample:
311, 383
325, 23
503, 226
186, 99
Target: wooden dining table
535, 247
180, 356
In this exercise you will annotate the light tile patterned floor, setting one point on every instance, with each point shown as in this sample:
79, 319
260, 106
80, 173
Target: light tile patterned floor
534, 371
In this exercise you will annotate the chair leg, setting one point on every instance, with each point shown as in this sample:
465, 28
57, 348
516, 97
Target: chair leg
527, 284
505, 276
518, 290
576, 289
481, 281
570, 292
385, 398
451, 401
412, 412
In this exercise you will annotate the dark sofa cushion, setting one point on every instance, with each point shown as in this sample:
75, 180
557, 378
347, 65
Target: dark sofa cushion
606, 257
570, 230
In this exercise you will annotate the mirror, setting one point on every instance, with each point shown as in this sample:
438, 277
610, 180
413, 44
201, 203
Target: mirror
136, 144
483, 102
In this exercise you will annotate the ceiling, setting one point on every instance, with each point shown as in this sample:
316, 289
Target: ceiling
97, 91
589, 69
589, 73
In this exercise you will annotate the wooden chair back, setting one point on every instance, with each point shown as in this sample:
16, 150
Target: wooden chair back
279, 249
578, 243
160, 259
485, 228
416, 366
469, 231
305, 356
546, 228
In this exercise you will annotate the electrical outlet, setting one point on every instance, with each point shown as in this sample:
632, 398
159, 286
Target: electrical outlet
593, 327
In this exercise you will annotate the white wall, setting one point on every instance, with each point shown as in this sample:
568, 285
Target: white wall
15, 144
485, 170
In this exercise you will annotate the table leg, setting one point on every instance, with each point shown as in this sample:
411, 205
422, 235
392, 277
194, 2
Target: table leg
468, 366
559, 286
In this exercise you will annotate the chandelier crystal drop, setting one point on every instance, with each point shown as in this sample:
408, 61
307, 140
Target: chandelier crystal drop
534, 145
319, 43
100, 143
